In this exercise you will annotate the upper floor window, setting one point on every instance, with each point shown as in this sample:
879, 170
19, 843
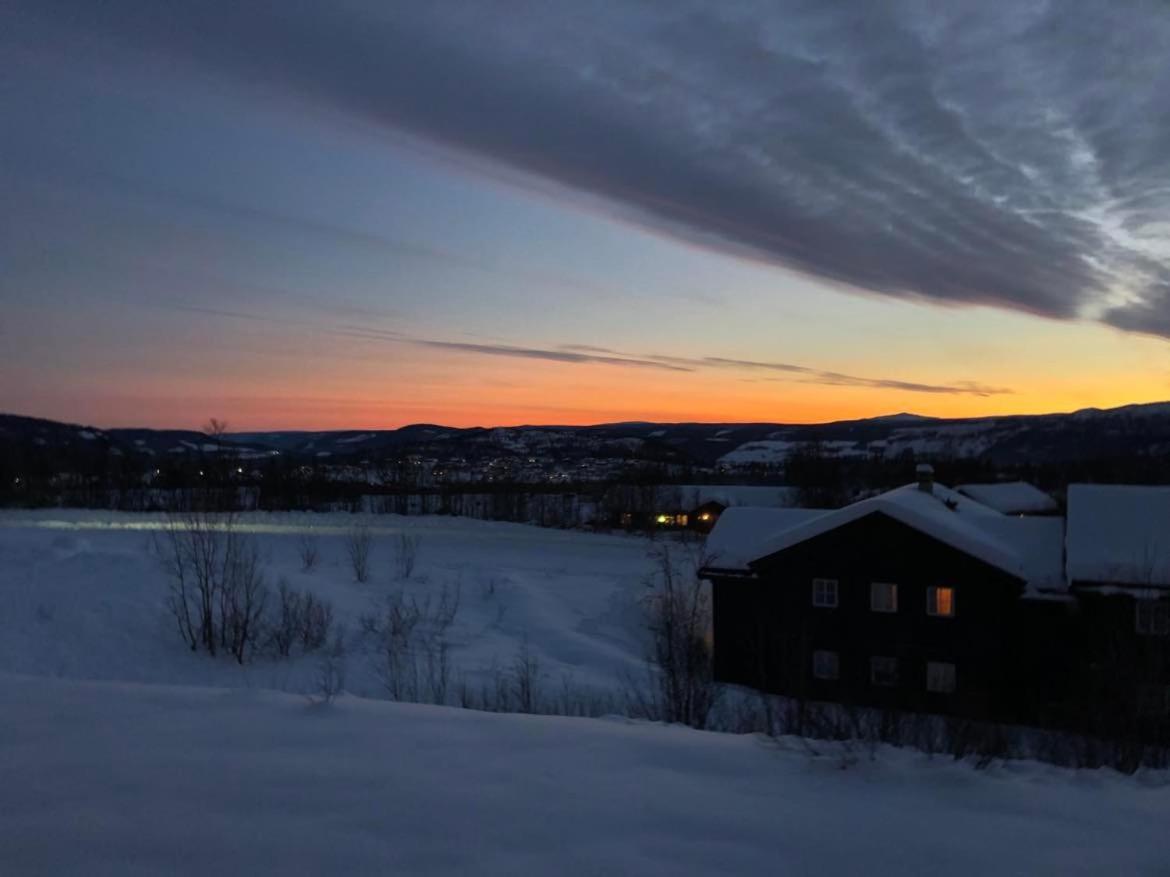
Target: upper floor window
826, 665
941, 602
883, 597
940, 677
825, 593
883, 671
1152, 617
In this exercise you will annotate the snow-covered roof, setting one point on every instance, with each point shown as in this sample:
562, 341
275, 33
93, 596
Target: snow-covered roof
1011, 497
942, 513
1118, 534
1028, 548
735, 540
1039, 545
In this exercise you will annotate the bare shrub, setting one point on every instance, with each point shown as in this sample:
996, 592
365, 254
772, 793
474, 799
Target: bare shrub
301, 619
680, 685
242, 596
217, 590
331, 669
358, 543
412, 644
526, 679
406, 554
308, 551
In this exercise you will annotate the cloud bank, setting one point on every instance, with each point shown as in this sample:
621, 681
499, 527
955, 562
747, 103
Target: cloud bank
1010, 154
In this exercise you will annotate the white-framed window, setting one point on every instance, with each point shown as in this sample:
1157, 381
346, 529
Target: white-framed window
825, 593
1152, 617
883, 597
1153, 700
940, 601
883, 671
826, 664
940, 677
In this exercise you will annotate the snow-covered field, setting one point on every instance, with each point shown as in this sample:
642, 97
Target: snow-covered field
85, 597
209, 770
118, 779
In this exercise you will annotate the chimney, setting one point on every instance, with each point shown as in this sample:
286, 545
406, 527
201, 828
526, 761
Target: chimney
925, 473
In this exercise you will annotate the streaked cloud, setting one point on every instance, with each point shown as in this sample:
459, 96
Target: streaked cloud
553, 355
581, 354
1005, 154
837, 379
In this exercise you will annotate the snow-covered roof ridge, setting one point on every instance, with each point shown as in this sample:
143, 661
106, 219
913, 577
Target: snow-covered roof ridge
941, 513
735, 540
1118, 534
1028, 548
1010, 497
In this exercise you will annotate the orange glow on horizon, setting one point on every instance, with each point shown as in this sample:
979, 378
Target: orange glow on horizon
484, 391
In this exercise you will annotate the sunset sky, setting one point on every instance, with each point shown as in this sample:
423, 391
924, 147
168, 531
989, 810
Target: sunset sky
359, 214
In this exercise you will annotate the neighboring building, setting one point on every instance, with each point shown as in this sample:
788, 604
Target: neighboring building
1011, 498
691, 506
923, 599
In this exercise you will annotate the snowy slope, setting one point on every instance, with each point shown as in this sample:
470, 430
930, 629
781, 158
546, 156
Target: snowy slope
104, 779
176, 777
85, 598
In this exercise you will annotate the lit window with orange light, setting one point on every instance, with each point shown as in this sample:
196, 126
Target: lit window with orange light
941, 602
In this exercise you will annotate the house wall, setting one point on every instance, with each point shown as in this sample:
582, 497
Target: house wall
766, 628
1117, 663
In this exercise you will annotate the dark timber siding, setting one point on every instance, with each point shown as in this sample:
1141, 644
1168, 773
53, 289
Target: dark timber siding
766, 628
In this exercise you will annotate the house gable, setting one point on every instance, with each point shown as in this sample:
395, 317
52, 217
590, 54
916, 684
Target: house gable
878, 546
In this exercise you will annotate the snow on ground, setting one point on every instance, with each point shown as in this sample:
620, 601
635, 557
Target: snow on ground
208, 771
84, 597
120, 779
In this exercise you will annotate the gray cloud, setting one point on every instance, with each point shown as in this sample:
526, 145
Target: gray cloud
579, 354
552, 355
1007, 154
837, 379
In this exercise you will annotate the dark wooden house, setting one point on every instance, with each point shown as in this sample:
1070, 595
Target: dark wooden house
919, 599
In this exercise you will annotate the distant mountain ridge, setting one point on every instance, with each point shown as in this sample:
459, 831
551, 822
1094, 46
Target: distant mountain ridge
1142, 429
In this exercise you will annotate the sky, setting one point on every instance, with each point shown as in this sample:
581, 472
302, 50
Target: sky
356, 214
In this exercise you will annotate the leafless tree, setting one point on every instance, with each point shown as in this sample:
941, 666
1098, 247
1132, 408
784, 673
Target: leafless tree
301, 619
413, 646
331, 669
308, 550
216, 428
242, 596
526, 679
358, 542
406, 554
680, 685
217, 590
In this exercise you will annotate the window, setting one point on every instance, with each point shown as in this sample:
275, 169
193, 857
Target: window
941, 602
883, 671
825, 593
1153, 700
826, 665
883, 597
1152, 617
940, 677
